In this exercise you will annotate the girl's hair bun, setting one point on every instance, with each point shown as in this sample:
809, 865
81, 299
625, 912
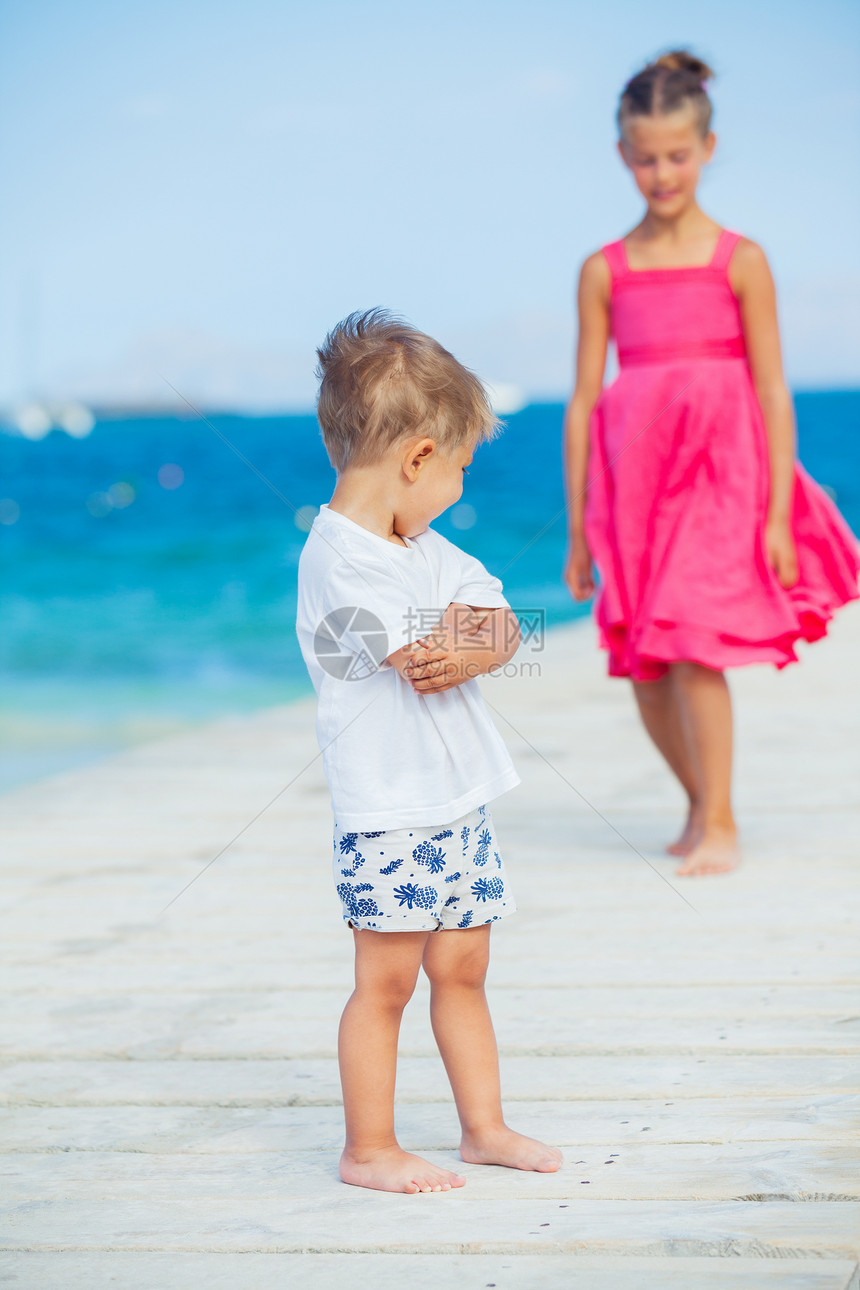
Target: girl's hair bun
679, 60
673, 81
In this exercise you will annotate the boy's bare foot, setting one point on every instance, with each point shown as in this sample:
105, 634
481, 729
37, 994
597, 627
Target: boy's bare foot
716, 852
501, 1146
394, 1170
690, 835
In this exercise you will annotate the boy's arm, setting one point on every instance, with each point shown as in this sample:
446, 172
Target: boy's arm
436, 644
468, 641
402, 659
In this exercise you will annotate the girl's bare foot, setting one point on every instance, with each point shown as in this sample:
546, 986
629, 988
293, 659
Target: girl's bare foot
716, 852
690, 835
394, 1170
499, 1145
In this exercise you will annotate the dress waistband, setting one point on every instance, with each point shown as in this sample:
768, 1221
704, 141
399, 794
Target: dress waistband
631, 355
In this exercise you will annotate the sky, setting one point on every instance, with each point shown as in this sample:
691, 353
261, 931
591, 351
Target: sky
198, 190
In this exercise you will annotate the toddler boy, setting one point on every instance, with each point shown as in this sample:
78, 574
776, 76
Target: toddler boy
395, 623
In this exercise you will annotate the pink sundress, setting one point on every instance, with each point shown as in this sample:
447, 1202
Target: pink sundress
678, 488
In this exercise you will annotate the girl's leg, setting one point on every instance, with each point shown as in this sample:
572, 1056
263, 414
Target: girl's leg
660, 711
456, 964
386, 969
706, 715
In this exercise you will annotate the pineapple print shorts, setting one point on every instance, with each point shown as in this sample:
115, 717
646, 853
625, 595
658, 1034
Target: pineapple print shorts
422, 879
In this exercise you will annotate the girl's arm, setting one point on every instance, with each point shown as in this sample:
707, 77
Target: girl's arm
752, 283
593, 339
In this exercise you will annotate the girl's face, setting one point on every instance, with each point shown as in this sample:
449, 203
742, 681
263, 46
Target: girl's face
665, 155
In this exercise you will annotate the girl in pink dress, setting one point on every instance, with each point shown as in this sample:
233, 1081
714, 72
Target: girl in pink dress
714, 547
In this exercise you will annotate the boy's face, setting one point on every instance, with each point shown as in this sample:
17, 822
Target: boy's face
435, 482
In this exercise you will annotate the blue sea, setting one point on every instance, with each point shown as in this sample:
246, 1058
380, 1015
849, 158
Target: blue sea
148, 574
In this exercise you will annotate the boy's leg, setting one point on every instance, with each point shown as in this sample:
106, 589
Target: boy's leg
386, 969
706, 713
456, 964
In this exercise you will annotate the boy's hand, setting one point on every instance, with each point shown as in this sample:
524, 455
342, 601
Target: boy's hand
428, 649
463, 645
403, 660
432, 663
437, 664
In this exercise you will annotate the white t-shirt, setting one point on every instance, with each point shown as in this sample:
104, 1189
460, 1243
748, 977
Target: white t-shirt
393, 757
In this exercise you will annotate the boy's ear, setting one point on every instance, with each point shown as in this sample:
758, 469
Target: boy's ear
415, 457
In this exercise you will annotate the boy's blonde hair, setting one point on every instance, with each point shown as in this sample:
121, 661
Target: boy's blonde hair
382, 380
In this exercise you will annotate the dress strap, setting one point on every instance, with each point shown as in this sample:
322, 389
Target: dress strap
726, 244
616, 258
